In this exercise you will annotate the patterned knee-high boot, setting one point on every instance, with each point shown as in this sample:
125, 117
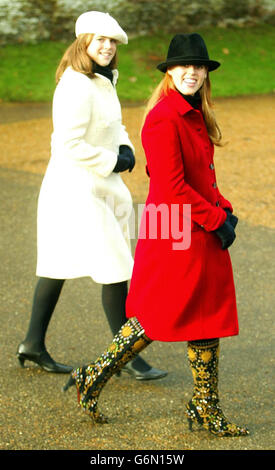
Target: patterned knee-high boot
90, 379
204, 407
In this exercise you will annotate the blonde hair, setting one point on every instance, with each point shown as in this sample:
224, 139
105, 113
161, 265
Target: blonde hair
76, 56
167, 84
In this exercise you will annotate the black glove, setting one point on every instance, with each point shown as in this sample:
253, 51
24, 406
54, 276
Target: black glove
233, 219
226, 233
125, 159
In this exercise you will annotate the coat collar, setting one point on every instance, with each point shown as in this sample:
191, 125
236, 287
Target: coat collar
115, 76
179, 103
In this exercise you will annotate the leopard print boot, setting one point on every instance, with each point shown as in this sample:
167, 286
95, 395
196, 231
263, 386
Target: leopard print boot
204, 407
90, 379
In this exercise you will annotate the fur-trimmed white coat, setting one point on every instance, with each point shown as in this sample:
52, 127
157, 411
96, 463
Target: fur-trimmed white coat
84, 207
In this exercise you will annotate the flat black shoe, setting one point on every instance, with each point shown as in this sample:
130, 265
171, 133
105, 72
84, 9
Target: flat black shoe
151, 374
43, 359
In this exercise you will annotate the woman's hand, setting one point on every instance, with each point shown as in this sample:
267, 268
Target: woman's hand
226, 232
233, 219
125, 160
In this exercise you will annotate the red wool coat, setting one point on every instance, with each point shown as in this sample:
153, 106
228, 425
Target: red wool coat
181, 294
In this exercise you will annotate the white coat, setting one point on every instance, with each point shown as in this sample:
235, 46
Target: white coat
84, 207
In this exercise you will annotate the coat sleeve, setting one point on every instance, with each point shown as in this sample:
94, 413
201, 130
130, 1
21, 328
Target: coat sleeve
124, 138
224, 203
72, 112
165, 164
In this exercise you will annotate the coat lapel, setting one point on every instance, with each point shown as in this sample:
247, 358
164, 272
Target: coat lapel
179, 103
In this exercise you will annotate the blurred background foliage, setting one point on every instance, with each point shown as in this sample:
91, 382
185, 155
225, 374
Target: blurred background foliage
239, 33
35, 20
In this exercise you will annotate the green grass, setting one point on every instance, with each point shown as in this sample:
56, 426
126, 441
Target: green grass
247, 57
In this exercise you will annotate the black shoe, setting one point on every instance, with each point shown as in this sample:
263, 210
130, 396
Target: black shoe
42, 358
150, 374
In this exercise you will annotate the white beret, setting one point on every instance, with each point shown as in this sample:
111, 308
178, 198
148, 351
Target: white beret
103, 24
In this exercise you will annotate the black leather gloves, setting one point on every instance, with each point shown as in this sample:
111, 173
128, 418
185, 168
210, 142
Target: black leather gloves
232, 218
125, 159
226, 232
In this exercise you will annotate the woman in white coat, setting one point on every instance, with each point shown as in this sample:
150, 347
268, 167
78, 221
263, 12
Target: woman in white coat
84, 206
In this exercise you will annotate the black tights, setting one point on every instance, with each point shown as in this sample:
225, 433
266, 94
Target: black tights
46, 295
45, 298
113, 301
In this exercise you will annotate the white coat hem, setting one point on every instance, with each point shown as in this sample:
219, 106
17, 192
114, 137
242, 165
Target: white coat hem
97, 280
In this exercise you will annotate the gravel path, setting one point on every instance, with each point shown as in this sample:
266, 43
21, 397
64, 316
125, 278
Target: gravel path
34, 413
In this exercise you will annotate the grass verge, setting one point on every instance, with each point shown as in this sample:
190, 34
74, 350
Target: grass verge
247, 57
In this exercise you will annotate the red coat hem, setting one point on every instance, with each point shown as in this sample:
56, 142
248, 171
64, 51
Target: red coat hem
185, 336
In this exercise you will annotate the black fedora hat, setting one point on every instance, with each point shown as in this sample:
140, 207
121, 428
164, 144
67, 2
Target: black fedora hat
185, 49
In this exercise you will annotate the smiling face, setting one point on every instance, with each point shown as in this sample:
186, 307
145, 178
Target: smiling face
188, 78
102, 50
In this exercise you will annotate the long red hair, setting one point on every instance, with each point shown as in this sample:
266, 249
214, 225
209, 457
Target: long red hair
167, 84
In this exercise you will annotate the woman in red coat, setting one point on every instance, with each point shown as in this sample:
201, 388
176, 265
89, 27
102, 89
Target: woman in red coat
182, 286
